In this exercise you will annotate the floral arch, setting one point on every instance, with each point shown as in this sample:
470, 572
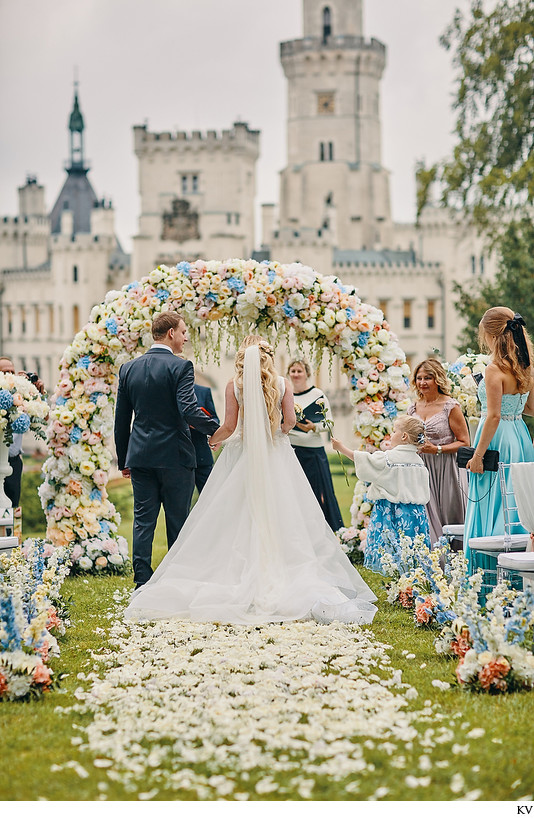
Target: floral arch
222, 301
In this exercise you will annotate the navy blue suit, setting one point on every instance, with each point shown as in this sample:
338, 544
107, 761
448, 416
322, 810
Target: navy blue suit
157, 390
200, 441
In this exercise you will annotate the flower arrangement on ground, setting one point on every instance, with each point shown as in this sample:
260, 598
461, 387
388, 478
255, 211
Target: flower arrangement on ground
22, 407
30, 606
221, 301
494, 646
349, 537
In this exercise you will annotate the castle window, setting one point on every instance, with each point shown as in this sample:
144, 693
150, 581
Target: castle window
75, 319
481, 263
51, 319
194, 183
330, 151
321, 152
75, 273
184, 184
327, 23
9, 321
431, 314
23, 320
228, 218
473, 265
407, 314
383, 306
237, 217
37, 320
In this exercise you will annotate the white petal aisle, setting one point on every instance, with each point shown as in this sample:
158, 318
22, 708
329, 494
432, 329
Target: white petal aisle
220, 710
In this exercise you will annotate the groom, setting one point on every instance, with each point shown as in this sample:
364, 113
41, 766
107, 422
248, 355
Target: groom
157, 452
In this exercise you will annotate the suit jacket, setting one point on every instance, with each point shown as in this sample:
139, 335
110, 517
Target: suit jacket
200, 441
157, 389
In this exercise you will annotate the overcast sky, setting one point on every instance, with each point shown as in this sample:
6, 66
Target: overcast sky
196, 65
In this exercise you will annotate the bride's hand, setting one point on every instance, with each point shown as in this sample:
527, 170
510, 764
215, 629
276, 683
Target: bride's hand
214, 447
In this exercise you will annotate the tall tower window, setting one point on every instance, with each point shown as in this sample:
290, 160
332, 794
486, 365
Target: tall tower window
9, 321
23, 320
327, 23
75, 318
330, 151
321, 152
75, 273
37, 315
194, 184
184, 184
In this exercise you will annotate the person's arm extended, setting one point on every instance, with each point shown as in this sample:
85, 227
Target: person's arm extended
339, 447
494, 392
231, 414
288, 409
187, 402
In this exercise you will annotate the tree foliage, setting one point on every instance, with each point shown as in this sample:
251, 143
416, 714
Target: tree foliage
513, 285
491, 170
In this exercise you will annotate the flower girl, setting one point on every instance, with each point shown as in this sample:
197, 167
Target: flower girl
398, 487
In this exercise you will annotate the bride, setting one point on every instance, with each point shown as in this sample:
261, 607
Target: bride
256, 547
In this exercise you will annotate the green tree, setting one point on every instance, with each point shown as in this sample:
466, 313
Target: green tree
491, 171
512, 287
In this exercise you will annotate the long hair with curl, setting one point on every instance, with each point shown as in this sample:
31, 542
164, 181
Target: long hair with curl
269, 378
436, 369
494, 337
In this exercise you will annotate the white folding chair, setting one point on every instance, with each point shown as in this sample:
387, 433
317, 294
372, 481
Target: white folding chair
495, 545
520, 564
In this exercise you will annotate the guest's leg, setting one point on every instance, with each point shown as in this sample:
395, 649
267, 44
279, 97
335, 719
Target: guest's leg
147, 501
12, 483
176, 487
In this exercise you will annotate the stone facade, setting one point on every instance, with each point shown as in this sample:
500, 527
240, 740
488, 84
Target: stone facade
197, 196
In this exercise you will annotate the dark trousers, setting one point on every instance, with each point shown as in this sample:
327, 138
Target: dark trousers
153, 488
202, 474
13, 482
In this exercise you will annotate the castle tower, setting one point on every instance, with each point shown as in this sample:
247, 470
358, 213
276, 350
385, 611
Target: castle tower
334, 187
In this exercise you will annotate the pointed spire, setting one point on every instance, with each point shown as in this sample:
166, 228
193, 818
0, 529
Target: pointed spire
76, 129
76, 118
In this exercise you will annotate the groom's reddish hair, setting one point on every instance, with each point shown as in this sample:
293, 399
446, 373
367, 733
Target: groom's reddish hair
165, 322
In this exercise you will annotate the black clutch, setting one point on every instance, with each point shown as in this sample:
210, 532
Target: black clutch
490, 461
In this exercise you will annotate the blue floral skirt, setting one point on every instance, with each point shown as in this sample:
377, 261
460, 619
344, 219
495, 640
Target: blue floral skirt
388, 522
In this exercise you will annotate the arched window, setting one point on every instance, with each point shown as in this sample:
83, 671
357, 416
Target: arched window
75, 318
327, 23
75, 273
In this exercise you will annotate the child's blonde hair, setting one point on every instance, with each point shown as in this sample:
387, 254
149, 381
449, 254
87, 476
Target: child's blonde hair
269, 377
413, 427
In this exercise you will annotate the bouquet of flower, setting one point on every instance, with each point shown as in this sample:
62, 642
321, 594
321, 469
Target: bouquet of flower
22, 407
464, 385
360, 512
351, 544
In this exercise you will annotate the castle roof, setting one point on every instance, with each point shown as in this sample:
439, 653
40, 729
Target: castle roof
78, 196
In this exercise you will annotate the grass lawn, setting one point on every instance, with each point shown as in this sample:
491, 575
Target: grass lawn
36, 737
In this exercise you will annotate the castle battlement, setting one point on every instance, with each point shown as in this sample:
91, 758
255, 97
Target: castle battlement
343, 42
238, 137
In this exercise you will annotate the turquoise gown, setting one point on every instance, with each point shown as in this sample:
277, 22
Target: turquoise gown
512, 438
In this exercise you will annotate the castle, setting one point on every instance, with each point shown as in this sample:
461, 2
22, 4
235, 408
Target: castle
197, 194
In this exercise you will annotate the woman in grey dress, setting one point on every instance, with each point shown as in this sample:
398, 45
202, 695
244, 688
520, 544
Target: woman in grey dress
446, 431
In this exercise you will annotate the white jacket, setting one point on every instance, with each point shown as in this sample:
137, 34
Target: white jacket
398, 475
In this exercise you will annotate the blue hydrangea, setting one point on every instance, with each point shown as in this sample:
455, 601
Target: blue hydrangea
162, 294
236, 284
84, 361
391, 408
354, 380
95, 495
184, 267
75, 435
288, 310
266, 261
104, 527
112, 326
50, 505
94, 396
212, 297
350, 312
6, 399
21, 424
132, 285
456, 367
363, 338
272, 276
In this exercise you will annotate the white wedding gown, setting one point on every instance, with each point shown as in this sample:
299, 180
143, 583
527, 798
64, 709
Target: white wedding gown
256, 547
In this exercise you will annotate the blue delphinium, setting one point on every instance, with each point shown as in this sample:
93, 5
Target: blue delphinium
184, 267
112, 326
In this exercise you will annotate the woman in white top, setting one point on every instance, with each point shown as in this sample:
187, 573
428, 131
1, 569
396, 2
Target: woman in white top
308, 444
256, 547
398, 487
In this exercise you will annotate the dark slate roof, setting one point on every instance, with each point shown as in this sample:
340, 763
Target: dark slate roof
375, 257
78, 196
119, 258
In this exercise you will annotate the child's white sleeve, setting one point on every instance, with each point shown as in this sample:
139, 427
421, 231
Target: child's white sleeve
370, 466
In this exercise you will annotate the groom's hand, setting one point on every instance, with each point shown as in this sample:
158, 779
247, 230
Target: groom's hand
126, 473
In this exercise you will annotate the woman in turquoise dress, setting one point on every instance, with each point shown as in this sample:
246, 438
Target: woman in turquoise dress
505, 396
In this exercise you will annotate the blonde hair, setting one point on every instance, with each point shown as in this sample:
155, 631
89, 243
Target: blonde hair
303, 363
269, 377
413, 427
437, 371
504, 353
